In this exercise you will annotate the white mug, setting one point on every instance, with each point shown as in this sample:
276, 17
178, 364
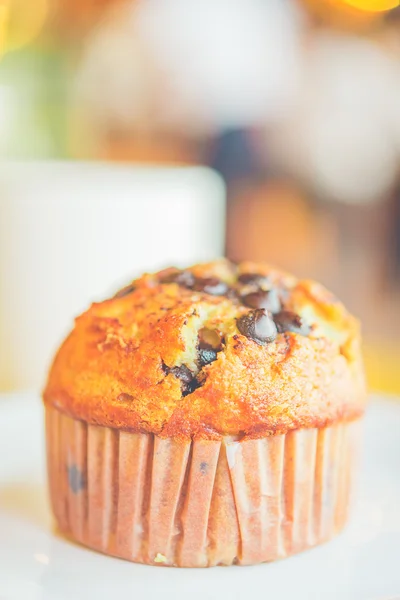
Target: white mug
71, 233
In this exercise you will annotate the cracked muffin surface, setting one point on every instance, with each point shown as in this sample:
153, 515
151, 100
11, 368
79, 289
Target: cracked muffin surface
212, 350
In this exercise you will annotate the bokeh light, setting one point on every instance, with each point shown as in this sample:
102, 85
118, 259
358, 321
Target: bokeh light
20, 22
373, 5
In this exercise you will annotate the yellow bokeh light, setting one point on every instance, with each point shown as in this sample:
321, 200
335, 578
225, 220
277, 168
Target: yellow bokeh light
373, 5
20, 22
3, 27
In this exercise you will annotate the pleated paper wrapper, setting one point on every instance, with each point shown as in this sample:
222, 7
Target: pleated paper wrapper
199, 503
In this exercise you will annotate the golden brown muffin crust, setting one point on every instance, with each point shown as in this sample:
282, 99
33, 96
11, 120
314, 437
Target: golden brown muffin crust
168, 355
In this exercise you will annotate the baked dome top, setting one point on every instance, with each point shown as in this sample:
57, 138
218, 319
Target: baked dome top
215, 349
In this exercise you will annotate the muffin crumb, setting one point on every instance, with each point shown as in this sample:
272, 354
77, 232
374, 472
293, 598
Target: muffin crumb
160, 558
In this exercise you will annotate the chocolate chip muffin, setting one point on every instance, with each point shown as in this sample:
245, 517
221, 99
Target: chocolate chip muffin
206, 416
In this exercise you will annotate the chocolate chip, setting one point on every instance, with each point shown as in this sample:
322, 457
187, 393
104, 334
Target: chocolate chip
289, 321
255, 279
186, 279
76, 479
125, 291
182, 373
189, 383
183, 278
210, 343
262, 299
207, 356
165, 368
191, 387
258, 326
211, 285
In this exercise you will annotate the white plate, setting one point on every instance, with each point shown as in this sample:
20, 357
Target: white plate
362, 563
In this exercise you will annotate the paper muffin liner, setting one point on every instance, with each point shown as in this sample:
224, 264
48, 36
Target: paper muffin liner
198, 503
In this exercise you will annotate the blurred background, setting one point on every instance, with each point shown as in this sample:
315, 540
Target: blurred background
295, 103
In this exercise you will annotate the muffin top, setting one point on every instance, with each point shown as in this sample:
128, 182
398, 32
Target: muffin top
216, 349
